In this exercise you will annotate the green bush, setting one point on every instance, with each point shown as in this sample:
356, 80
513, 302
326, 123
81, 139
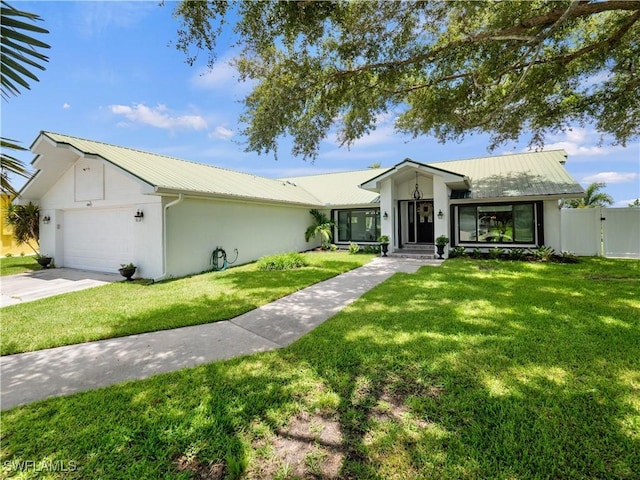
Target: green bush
517, 254
375, 249
542, 253
353, 248
457, 251
282, 261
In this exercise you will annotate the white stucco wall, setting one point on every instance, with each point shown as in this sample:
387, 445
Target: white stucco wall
440, 203
197, 226
388, 205
405, 189
108, 188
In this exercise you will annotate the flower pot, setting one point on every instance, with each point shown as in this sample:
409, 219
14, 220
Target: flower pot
44, 261
385, 248
127, 272
440, 251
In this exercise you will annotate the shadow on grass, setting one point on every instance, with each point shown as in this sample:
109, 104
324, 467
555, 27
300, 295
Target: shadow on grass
518, 372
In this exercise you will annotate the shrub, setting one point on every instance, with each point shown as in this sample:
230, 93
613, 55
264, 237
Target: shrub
282, 261
568, 257
517, 254
353, 248
371, 249
542, 253
476, 253
9, 255
457, 251
496, 252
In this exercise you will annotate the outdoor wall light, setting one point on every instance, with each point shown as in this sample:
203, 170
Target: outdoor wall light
385, 216
440, 215
46, 219
139, 215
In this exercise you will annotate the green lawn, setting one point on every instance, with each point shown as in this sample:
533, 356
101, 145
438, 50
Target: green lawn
126, 308
15, 265
474, 369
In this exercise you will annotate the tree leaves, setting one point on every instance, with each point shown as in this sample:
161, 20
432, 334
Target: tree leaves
445, 69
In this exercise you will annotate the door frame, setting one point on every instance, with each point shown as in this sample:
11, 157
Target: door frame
409, 208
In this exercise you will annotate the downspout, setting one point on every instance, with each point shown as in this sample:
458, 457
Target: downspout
164, 236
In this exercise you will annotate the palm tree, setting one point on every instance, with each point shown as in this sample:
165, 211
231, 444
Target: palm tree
25, 220
593, 197
18, 59
322, 226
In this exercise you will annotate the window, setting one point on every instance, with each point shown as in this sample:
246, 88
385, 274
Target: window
358, 225
499, 223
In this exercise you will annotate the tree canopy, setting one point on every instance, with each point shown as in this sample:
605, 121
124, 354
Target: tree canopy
445, 69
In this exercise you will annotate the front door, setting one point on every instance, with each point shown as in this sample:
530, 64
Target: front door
420, 217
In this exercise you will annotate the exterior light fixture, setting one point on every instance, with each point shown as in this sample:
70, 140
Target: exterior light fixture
139, 215
46, 219
417, 193
385, 216
440, 215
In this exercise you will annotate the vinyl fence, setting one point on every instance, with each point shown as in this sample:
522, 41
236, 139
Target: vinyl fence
610, 232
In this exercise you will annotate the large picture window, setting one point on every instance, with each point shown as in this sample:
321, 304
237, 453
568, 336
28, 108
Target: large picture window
499, 223
358, 225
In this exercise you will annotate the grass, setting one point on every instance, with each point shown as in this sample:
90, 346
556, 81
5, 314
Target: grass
126, 308
474, 370
15, 265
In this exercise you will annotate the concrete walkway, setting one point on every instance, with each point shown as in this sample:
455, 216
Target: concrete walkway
32, 376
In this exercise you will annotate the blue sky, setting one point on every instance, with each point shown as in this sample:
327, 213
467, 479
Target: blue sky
114, 76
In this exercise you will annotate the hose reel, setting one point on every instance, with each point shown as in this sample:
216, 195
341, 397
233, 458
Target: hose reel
219, 259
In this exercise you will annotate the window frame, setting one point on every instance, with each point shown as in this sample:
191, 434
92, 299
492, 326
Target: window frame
336, 218
537, 211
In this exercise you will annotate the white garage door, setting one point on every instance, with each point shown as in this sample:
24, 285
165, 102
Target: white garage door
99, 240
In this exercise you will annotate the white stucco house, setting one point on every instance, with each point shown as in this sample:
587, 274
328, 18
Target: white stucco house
103, 205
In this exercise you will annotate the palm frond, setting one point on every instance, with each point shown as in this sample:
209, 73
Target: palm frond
19, 56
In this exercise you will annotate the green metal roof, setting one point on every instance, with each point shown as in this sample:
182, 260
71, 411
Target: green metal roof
516, 175
340, 188
173, 174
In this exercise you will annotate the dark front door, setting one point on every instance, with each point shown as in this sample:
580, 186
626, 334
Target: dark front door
420, 215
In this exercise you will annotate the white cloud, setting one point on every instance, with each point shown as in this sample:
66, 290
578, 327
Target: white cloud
221, 75
66, 106
221, 133
611, 177
159, 117
625, 203
578, 142
94, 18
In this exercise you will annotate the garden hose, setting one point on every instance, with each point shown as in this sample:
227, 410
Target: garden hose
219, 259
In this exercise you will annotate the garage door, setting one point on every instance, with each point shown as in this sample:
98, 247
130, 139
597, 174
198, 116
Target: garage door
99, 240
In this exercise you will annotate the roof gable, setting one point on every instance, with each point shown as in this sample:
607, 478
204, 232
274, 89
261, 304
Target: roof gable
173, 175
340, 188
517, 175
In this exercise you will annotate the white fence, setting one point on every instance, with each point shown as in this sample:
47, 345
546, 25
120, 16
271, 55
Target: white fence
611, 232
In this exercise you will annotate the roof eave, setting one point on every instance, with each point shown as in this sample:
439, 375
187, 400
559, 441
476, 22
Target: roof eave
225, 196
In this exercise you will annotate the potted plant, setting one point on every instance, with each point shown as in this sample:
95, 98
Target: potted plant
441, 242
43, 260
383, 240
127, 270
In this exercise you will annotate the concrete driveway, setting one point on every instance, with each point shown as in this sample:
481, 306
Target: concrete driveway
26, 287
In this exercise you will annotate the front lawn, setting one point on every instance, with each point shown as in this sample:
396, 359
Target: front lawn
126, 308
15, 265
474, 369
